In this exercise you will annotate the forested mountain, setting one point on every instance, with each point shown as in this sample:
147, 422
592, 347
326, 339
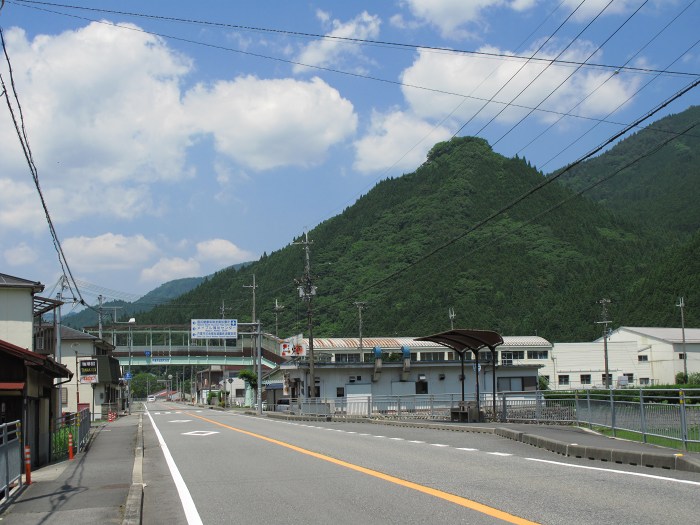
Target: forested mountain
659, 191
124, 309
453, 235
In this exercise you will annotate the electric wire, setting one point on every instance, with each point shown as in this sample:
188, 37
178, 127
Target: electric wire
33, 4
26, 150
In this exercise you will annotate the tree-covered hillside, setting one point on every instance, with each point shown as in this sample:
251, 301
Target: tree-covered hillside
660, 191
431, 240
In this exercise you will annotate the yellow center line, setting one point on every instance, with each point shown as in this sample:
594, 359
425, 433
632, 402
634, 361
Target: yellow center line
458, 500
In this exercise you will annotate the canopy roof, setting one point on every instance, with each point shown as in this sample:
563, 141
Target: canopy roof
462, 339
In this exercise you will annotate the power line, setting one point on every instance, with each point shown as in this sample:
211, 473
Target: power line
26, 150
33, 4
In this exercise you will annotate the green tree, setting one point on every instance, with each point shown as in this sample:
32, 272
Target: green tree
142, 384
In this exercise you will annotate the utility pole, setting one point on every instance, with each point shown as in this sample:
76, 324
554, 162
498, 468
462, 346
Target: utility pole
253, 286
605, 321
451, 314
307, 291
99, 315
277, 309
360, 306
681, 305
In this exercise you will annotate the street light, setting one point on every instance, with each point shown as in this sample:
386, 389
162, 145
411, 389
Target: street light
128, 372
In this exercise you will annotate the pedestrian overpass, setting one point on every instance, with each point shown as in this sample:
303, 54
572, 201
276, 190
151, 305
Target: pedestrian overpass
172, 345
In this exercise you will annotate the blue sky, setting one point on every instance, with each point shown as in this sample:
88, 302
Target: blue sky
173, 148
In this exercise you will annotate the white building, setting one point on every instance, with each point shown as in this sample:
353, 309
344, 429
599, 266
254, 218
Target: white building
343, 367
636, 357
101, 391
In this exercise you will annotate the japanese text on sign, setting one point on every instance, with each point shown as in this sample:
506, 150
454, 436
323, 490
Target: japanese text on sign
214, 329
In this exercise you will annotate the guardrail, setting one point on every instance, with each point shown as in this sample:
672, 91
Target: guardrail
653, 414
73, 426
10, 458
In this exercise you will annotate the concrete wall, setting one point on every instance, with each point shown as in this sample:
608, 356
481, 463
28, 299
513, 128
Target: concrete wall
16, 316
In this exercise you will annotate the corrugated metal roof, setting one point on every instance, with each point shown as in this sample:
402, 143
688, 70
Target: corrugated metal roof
353, 343
16, 282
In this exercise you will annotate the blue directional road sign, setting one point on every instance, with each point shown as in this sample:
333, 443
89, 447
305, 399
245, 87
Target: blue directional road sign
147, 353
127, 376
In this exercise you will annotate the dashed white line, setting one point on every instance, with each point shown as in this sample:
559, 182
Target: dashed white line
468, 449
502, 454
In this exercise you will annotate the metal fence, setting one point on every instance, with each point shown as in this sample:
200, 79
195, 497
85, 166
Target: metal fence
672, 415
73, 426
10, 458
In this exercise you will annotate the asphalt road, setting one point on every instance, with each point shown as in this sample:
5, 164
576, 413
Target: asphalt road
225, 467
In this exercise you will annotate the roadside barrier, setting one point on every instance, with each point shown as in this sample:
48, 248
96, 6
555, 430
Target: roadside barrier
27, 465
70, 447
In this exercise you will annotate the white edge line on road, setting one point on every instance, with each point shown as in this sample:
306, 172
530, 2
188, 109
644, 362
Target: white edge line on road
188, 505
639, 474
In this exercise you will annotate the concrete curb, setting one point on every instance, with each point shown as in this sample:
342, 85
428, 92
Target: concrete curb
670, 460
664, 460
134, 501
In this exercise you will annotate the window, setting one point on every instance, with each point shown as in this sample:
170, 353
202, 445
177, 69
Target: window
421, 387
432, 356
538, 354
64, 395
510, 384
681, 356
347, 358
644, 381
340, 392
585, 379
630, 378
563, 380
603, 379
642, 358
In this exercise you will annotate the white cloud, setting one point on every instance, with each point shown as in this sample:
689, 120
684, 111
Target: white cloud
168, 269
21, 255
591, 8
482, 77
19, 207
396, 139
450, 16
102, 103
265, 124
221, 252
108, 252
108, 119
327, 52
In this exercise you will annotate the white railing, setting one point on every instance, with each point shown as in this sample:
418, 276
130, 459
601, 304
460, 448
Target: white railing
10, 458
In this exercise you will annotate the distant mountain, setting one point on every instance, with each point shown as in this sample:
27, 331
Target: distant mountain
457, 234
125, 310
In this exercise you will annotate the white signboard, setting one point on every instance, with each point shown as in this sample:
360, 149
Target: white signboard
294, 346
214, 328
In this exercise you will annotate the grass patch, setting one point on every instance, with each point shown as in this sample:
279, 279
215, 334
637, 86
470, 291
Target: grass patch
652, 440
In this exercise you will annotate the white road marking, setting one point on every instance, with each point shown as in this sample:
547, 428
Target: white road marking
469, 449
199, 433
179, 421
188, 505
614, 471
438, 445
504, 454
396, 439
416, 441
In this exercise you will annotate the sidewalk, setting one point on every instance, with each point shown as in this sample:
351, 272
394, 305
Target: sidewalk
93, 488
